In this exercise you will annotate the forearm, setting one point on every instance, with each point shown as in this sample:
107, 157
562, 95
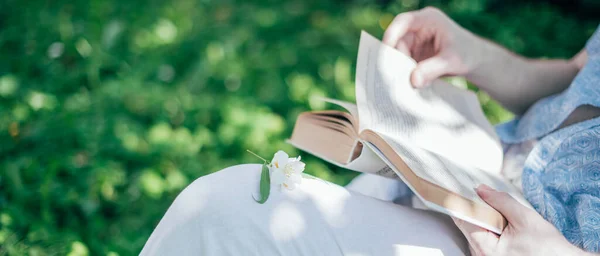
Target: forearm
517, 82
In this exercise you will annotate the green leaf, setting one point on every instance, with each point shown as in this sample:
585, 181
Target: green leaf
265, 185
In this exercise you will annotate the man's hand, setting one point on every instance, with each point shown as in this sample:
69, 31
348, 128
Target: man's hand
439, 45
527, 232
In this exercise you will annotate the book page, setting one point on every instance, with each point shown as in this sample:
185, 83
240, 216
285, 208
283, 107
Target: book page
350, 107
448, 174
441, 119
367, 161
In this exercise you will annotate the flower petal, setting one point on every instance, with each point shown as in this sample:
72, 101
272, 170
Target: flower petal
289, 185
280, 159
297, 166
296, 178
278, 177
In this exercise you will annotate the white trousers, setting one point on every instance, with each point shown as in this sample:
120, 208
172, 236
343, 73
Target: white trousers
217, 215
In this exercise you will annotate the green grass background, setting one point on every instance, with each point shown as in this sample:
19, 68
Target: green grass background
108, 108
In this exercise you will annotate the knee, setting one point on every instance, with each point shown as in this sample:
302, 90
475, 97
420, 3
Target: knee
218, 191
231, 177
207, 209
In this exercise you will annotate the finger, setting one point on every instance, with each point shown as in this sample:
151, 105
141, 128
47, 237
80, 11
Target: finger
429, 70
401, 25
427, 17
480, 240
504, 203
405, 43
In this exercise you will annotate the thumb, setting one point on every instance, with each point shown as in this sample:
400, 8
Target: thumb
429, 70
511, 209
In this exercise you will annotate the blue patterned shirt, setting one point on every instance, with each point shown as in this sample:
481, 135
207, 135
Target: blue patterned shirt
561, 175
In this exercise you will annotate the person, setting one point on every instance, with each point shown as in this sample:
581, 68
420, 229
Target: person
552, 154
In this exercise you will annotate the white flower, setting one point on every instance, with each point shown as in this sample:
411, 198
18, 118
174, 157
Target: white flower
286, 171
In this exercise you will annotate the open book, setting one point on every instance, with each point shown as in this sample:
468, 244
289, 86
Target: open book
436, 139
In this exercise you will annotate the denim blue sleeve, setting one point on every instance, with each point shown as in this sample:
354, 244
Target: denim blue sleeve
547, 114
561, 179
561, 175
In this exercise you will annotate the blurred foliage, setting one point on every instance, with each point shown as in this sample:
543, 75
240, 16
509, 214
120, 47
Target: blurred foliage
109, 108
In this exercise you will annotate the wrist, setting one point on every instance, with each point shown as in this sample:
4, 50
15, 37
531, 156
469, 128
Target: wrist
484, 54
